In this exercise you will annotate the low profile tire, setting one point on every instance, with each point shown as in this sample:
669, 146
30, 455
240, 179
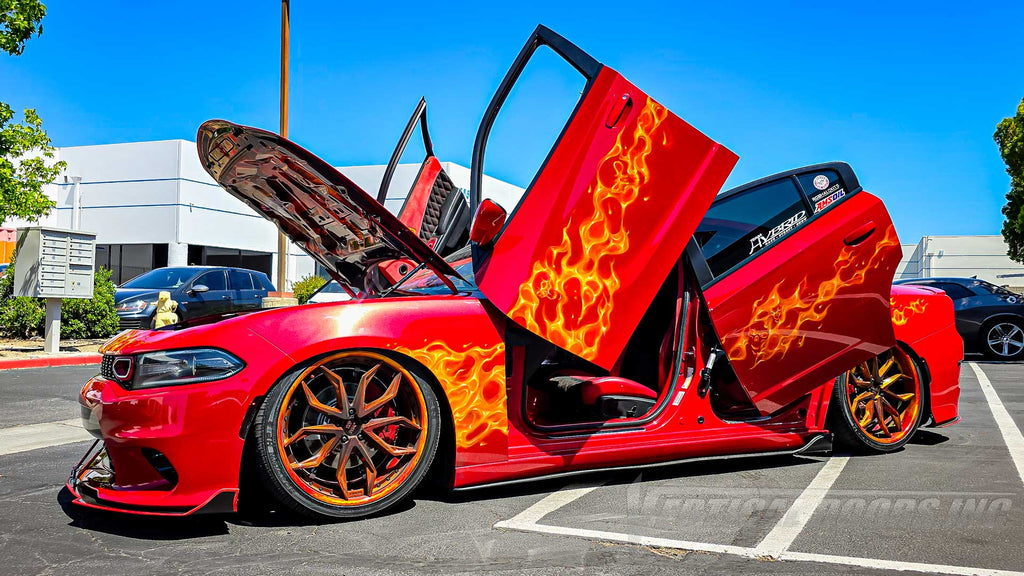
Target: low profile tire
350, 435
878, 406
1002, 339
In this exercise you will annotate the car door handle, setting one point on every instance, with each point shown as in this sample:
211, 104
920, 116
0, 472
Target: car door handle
225, 297
860, 234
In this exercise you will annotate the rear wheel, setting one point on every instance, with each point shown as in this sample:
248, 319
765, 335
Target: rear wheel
1003, 340
350, 435
877, 406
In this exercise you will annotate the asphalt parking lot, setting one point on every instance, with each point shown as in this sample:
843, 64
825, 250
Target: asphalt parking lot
951, 502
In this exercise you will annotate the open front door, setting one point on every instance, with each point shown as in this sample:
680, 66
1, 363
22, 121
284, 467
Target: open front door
797, 270
611, 210
434, 208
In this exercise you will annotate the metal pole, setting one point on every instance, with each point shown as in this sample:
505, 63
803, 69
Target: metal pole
282, 241
51, 332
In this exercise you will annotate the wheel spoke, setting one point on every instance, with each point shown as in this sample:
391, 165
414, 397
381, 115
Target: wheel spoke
371, 427
319, 406
885, 367
880, 417
341, 475
317, 459
901, 397
359, 405
386, 397
339, 389
892, 412
863, 396
321, 429
889, 381
869, 412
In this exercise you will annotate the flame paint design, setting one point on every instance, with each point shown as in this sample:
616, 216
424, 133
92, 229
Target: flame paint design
474, 381
122, 340
902, 314
568, 297
777, 320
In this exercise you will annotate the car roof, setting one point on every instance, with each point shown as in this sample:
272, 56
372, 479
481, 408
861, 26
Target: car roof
197, 267
939, 279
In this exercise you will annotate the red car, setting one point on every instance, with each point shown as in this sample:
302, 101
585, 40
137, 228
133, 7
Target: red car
622, 316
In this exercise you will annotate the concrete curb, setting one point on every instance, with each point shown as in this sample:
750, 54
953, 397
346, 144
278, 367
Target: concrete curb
46, 362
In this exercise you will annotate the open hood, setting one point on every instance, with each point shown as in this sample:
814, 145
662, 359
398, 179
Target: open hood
365, 247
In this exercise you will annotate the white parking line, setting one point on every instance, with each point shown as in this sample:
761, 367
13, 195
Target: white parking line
34, 436
1011, 433
775, 546
793, 521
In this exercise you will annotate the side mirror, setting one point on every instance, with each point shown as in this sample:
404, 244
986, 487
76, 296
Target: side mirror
487, 222
198, 289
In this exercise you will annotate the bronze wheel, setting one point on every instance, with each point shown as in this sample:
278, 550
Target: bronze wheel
349, 434
880, 402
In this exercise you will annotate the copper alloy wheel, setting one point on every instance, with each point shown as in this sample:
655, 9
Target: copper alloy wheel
351, 428
884, 396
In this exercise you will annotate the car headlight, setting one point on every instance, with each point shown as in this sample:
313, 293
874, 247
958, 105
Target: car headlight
177, 367
132, 306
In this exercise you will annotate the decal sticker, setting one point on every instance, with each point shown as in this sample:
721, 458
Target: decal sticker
902, 314
777, 320
582, 267
821, 182
760, 241
474, 380
828, 200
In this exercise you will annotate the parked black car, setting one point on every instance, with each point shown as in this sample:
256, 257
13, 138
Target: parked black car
198, 290
989, 318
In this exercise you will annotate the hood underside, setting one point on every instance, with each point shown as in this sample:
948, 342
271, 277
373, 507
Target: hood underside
342, 227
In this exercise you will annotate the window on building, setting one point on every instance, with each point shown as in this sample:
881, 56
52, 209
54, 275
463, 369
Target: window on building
738, 226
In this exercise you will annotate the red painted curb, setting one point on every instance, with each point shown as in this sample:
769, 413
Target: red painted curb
43, 362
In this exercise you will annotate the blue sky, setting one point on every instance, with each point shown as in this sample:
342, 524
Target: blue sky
908, 95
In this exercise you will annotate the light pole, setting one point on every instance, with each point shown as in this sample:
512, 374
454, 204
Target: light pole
282, 241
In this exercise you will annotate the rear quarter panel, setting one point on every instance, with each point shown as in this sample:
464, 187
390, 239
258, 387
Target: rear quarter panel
923, 320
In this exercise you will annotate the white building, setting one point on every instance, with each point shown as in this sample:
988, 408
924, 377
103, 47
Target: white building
151, 204
961, 256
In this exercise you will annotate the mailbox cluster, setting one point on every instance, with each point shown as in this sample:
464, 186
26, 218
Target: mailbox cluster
54, 263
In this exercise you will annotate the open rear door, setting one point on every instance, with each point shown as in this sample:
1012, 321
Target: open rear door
608, 215
434, 208
796, 271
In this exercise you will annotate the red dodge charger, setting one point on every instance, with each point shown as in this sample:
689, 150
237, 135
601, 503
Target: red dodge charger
624, 315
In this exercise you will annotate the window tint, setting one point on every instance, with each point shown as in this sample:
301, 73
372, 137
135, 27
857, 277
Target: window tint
262, 280
954, 291
239, 280
823, 188
738, 226
212, 280
992, 288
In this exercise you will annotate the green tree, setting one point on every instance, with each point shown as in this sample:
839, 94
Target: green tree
24, 148
1010, 138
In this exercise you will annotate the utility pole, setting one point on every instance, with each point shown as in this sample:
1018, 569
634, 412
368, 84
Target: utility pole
282, 240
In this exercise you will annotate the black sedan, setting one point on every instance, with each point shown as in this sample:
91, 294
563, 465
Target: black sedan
989, 318
198, 290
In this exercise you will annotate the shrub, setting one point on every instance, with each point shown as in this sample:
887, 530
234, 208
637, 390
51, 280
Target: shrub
80, 318
306, 286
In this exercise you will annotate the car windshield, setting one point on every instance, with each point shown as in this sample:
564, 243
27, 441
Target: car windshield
164, 278
427, 282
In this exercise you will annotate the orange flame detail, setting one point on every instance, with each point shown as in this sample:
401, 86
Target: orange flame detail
474, 381
777, 320
568, 296
901, 315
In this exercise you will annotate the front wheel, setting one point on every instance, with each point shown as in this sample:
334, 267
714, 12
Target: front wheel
350, 435
877, 406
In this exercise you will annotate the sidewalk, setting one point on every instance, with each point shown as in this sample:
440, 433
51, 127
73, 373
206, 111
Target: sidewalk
28, 353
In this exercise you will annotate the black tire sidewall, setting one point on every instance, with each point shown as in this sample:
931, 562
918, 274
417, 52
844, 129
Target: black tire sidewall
276, 477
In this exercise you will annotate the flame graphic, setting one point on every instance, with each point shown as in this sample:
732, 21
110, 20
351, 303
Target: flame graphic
568, 297
474, 381
901, 315
776, 320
